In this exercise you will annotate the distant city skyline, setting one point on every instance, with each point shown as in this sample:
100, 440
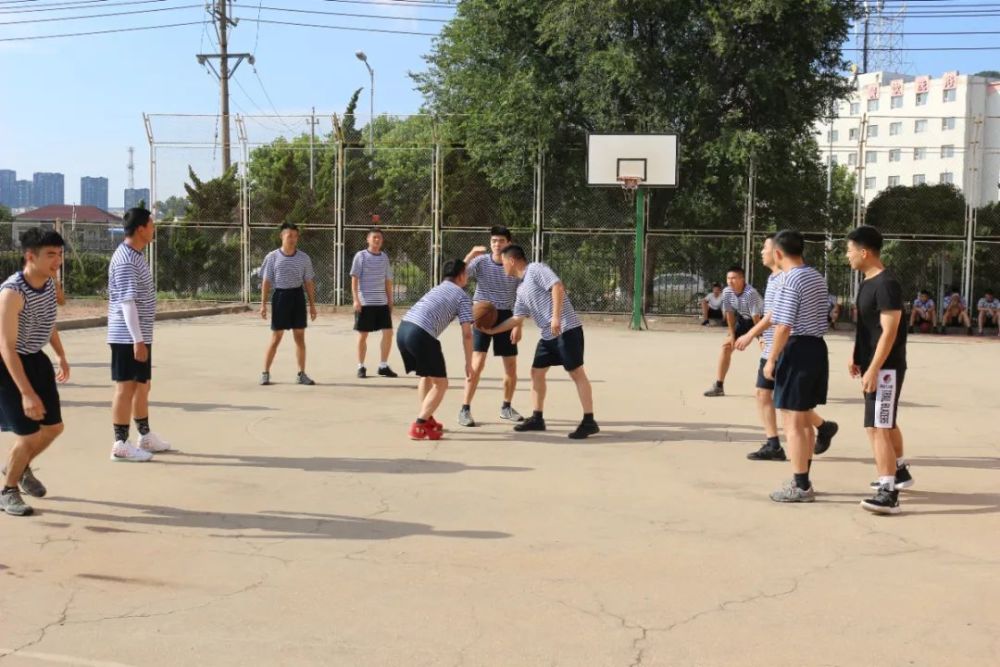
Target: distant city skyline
48, 187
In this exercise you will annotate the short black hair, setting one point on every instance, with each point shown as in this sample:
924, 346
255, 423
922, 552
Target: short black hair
988, 291
736, 268
500, 230
289, 225
770, 237
867, 238
790, 242
375, 230
134, 219
36, 238
452, 269
714, 285
925, 291
514, 251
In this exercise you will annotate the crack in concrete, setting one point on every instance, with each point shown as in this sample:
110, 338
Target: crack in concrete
44, 629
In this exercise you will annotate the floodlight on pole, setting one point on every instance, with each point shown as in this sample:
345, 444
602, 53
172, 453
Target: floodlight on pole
360, 55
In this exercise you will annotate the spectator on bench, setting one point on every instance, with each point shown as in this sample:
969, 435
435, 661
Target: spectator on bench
955, 312
711, 306
923, 311
989, 309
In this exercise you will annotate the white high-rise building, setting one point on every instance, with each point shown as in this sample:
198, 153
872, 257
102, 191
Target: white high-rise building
906, 130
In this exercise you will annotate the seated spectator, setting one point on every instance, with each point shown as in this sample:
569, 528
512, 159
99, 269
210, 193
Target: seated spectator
711, 306
989, 310
833, 314
955, 312
923, 311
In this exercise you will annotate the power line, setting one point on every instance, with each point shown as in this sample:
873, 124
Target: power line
99, 32
339, 27
364, 16
96, 16
91, 3
398, 3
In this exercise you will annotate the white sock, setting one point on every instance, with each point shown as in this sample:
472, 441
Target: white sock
383, 364
900, 462
361, 365
887, 481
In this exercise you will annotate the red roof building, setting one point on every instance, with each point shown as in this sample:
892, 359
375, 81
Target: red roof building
68, 213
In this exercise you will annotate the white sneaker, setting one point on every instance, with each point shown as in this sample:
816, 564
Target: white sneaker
123, 450
153, 443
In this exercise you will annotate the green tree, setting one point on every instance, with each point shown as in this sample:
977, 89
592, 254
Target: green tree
216, 200
174, 208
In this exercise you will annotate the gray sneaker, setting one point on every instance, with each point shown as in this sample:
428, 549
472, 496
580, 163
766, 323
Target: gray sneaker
511, 415
304, 379
29, 483
716, 390
265, 378
790, 493
12, 503
465, 417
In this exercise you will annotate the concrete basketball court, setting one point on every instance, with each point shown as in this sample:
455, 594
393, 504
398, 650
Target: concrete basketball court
299, 525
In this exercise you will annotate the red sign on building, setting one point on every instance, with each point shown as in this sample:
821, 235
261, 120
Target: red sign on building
873, 91
896, 86
950, 80
923, 84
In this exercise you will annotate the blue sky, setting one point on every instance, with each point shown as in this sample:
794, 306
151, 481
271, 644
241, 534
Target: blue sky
75, 104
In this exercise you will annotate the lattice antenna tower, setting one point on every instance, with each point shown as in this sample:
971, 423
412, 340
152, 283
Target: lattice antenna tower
131, 167
885, 26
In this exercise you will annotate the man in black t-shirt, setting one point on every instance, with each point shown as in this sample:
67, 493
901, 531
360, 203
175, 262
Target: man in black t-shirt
880, 361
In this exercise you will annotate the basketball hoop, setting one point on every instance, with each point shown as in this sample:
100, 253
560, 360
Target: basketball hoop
629, 186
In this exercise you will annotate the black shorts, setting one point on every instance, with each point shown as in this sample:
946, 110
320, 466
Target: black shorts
881, 405
802, 374
763, 382
373, 318
715, 313
565, 350
421, 351
124, 367
502, 345
743, 325
288, 309
42, 378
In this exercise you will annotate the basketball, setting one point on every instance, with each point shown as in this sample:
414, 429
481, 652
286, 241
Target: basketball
484, 315
925, 327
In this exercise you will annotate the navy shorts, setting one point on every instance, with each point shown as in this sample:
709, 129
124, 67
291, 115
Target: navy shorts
124, 367
421, 352
802, 374
42, 378
373, 318
566, 350
763, 382
882, 404
502, 344
288, 309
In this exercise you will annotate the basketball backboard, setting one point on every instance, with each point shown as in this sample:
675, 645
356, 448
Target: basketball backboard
650, 157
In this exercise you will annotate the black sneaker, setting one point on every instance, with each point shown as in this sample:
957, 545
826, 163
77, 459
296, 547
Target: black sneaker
387, 372
716, 390
12, 503
362, 373
883, 502
29, 483
767, 453
904, 479
530, 424
704, 323
584, 430
824, 436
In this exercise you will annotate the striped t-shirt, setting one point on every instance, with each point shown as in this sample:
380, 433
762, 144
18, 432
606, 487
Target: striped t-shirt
436, 309
287, 271
492, 284
746, 304
770, 296
993, 304
38, 317
534, 299
802, 302
129, 279
372, 271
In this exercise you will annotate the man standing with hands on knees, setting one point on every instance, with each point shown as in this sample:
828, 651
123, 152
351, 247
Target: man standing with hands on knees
542, 296
131, 313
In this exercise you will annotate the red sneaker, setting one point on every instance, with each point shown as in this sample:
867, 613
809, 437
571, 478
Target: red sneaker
434, 425
418, 431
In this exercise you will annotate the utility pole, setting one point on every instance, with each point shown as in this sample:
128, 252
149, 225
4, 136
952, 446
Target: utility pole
313, 122
131, 167
218, 11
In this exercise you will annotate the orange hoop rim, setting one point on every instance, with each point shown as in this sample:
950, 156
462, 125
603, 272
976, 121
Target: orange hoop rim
630, 182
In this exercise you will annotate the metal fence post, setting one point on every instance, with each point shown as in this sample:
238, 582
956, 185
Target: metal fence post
748, 220
539, 207
338, 214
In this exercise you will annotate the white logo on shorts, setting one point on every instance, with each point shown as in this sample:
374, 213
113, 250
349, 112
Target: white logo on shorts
885, 399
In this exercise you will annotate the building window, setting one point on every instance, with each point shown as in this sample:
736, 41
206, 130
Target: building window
947, 177
897, 127
920, 126
919, 179
948, 151
852, 160
872, 131
947, 123
919, 153
834, 160
896, 103
893, 181
950, 95
855, 108
873, 105
895, 155
870, 183
871, 157
921, 99
852, 134
833, 135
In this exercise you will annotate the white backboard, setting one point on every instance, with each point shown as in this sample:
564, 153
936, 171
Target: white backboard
653, 157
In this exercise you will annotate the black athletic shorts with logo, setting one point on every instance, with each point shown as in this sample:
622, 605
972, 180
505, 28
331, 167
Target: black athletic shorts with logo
882, 404
288, 309
373, 318
502, 344
42, 378
743, 325
802, 374
421, 352
763, 382
566, 350
124, 367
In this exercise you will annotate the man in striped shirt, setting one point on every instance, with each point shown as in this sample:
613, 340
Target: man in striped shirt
371, 285
495, 286
771, 450
798, 362
542, 296
29, 399
420, 348
131, 314
287, 270
742, 308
